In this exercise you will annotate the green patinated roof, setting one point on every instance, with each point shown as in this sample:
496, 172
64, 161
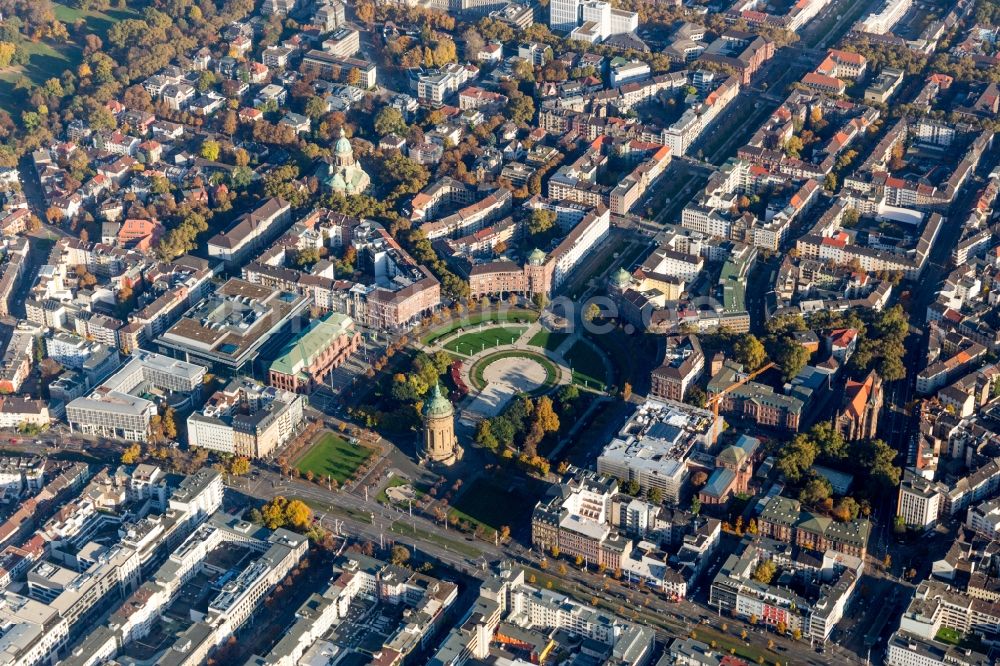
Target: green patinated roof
298, 353
536, 258
343, 145
438, 406
733, 455
621, 277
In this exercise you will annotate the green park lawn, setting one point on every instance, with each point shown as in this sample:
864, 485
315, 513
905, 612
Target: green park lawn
45, 61
546, 339
476, 341
493, 503
98, 22
588, 368
333, 455
49, 59
514, 315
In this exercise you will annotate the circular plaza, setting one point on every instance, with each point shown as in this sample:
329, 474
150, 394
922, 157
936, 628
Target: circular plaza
498, 375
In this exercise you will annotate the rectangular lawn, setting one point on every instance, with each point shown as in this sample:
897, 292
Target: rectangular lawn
546, 339
493, 503
333, 455
588, 369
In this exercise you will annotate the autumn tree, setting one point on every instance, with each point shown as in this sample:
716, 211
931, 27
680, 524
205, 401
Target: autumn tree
239, 466
273, 513
764, 572
400, 555
131, 454
545, 415
298, 514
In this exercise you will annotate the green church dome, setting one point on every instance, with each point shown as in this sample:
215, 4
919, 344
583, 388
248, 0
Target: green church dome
343, 145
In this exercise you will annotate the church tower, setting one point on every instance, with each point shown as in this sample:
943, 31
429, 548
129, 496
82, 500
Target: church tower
440, 444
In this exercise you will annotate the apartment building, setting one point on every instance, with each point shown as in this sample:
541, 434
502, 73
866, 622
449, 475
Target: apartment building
744, 52
919, 501
470, 218
344, 43
683, 363
505, 596
436, 86
425, 602
834, 577
842, 65
881, 22
543, 273
251, 232
246, 419
328, 66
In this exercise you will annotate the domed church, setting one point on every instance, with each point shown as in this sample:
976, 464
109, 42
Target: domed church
344, 175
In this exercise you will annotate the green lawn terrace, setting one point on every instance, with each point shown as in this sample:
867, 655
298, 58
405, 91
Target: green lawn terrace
477, 341
503, 316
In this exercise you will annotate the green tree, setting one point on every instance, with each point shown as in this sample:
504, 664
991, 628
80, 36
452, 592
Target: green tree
315, 107
696, 396
794, 147
521, 109
390, 121
210, 150
796, 458
485, 436
878, 458
815, 491
829, 440
749, 351
791, 357
899, 525
541, 221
